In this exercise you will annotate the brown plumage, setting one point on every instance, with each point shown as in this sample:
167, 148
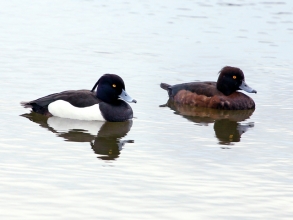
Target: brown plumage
219, 95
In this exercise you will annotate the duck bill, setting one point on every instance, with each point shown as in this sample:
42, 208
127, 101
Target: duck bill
246, 88
124, 96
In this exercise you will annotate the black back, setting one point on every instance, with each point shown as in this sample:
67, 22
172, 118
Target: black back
78, 98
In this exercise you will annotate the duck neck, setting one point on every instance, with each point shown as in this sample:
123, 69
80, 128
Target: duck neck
224, 88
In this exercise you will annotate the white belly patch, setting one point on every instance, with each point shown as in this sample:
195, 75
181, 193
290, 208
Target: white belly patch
64, 109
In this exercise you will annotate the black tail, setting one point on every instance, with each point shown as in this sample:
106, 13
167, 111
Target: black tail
26, 104
36, 108
165, 86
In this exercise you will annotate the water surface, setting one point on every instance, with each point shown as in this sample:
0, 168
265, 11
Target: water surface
169, 162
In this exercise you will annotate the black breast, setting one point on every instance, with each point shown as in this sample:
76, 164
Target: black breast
118, 111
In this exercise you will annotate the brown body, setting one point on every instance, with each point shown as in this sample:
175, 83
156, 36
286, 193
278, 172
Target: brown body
206, 94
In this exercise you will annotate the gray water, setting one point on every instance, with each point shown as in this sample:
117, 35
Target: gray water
168, 162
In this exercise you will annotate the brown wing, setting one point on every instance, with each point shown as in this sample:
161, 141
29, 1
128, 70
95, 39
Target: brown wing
208, 89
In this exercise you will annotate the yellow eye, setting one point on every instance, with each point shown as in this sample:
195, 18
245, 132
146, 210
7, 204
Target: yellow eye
234, 77
114, 85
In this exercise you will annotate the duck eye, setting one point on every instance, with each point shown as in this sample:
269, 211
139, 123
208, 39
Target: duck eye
114, 85
234, 77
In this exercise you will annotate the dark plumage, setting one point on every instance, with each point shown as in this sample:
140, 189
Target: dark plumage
77, 98
219, 95
110, 91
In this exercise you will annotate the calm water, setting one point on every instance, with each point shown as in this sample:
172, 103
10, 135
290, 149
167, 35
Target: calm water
169, 162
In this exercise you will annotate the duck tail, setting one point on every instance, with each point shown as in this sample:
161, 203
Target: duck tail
26, 104
165, 86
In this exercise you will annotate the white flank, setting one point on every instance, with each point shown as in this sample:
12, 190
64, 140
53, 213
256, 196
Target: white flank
64, 109
66, 124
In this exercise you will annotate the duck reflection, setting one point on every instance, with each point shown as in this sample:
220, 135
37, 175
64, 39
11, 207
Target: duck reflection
105, 138
226, 122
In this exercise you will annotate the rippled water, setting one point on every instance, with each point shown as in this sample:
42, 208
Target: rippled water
170, 162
